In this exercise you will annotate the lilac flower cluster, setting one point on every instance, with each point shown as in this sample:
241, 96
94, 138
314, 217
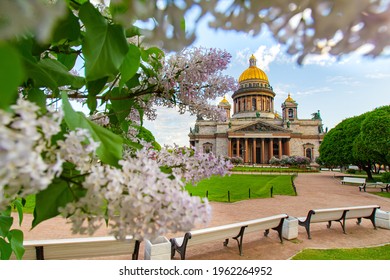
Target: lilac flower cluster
140, 200
28, 161
190, 164
193, 77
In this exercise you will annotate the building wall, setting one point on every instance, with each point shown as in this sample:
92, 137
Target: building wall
305, 134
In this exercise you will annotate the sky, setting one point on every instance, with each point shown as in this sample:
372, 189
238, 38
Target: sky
338, 87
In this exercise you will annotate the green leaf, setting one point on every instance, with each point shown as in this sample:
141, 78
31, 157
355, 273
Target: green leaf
110, 149
60, 74
105, 45
5, 225
67, 28
58, 194
183, 24
37, 96
91, 103
133, 31
67, 59
16, 239
19, 207
5, 250
11, 75
95, 87
133, 82
121, 107
130, 64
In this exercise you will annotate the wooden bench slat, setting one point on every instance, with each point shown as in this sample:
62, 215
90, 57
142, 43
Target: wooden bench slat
76, 248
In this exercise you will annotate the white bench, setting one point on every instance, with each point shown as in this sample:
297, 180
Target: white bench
353, 180
338, 215
78, 248
381, 185
224, 232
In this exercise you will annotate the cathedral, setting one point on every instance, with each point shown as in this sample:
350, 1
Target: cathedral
253, 130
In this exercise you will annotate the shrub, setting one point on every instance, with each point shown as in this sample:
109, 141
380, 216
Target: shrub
236, 160
386, 177
274, 161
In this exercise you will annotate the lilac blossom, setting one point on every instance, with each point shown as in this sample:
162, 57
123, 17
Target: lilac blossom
193, 77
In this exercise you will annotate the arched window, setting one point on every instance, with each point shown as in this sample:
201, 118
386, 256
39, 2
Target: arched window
290, 113
207, 148
308, 154
254, 104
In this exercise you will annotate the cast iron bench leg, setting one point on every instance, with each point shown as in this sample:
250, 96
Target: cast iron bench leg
239, 239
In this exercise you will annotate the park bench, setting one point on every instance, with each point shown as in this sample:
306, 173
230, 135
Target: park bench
340, 215
386, 188
224, 232
353, 180
78, 248
382, 186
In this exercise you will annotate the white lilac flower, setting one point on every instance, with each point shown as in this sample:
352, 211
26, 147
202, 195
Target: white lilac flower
28, 163
140, 199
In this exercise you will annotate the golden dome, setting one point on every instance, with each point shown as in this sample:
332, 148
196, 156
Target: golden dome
289, 99
253, 72
224, 101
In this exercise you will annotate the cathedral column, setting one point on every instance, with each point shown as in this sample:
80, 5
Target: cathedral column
262, 150
238, 147
287, 147
246, 159
254, 151
280, 148
271, 148
229, 147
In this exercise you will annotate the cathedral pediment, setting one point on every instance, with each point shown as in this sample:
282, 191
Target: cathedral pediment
259, 126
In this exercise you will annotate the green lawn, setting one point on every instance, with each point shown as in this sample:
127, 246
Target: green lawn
383, 194
240, 186
372, 253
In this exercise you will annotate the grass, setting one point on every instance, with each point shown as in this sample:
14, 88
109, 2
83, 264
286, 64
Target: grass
241, 186
383, 194
371, 253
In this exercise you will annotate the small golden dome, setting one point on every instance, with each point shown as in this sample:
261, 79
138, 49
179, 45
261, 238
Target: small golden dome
253, 72
289, 99
224, 101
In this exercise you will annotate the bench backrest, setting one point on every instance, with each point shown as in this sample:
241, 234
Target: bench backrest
231, 230
360, 211
324, 215
331, 214
78, 248
265, 223
354, 180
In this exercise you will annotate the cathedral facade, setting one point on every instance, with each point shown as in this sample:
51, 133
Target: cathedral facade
253, 130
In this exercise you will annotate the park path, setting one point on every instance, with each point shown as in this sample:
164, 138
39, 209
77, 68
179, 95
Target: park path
315, 190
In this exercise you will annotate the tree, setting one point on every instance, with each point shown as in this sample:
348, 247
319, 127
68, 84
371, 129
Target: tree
362, 140
374, 137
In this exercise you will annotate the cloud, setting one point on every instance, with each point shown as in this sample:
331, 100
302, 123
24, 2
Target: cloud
265, 56
171, 127
378, 76
343, 80
320, 59
311, 91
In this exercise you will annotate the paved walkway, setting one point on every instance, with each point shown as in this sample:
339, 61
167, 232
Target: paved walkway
319, 190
